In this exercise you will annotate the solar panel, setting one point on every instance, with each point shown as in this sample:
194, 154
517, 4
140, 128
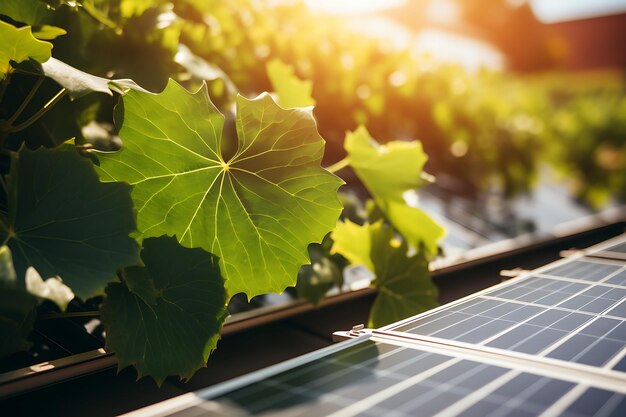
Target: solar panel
551, 342
573, 310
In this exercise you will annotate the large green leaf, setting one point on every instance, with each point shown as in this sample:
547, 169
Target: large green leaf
389, 171
17, 308
291, 91
31, 12
35, 13
257, 210
18, 45
403, 282
166, 319
64, 222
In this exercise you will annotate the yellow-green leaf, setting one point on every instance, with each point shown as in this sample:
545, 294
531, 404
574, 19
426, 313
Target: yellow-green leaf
389, 171
19, 45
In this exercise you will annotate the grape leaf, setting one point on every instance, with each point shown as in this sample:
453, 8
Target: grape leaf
34, 13
17, 308
354, 243
166, 319
47, 32
18, 45
77, 83
403, 282
257, 210
51, 289
63, 221
389, 171
292, 92
31, 12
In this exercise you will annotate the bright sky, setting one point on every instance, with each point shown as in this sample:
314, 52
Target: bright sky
546, 10
560, 10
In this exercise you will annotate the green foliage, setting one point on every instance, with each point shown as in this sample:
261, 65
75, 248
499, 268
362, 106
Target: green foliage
403, 282
30, 12
389, 171
63, 222
323, 273
19, 45
292, 91
216, 201
257, 209
165, 317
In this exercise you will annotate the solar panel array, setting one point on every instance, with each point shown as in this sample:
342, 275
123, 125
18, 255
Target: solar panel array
574, 311
551, 342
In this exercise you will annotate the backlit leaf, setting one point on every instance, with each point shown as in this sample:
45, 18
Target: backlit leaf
51, 289
403, 282
166, 319
291, 91
31, 12
64, 222
77, 83
389, 171
18, 45
257, 210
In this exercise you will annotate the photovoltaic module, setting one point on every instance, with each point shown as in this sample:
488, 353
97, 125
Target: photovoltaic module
551, 342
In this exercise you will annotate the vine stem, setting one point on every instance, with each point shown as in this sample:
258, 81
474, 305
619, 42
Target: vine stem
54, 100
338, 166
26, 100
50, 316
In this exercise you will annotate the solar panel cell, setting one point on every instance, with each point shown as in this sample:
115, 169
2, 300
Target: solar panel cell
618, 279
597, 402
619, 310
619, 248
584, 270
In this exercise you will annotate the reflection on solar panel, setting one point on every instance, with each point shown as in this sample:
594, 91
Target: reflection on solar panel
551, 342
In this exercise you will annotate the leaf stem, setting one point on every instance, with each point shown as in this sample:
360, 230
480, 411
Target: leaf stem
50, 316
26, 100
54, 100
338, 166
